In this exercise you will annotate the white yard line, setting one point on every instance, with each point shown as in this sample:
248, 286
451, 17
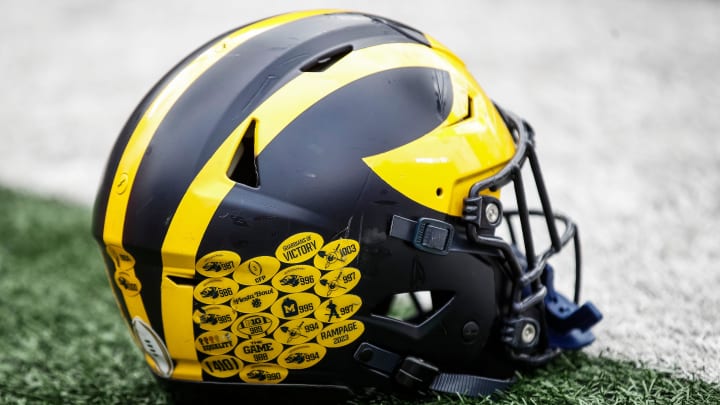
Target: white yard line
624, 97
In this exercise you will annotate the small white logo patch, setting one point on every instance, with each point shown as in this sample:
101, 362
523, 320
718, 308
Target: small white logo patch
154, 347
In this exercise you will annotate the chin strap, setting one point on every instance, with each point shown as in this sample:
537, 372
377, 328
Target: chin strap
418, 375
469, 385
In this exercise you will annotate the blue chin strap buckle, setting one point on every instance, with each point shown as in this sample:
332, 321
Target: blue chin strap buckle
568, 324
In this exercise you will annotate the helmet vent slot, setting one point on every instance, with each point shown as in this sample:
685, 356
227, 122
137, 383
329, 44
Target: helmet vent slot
468, 113
182, 280
413, 307
324, 61
244, 165
469, 109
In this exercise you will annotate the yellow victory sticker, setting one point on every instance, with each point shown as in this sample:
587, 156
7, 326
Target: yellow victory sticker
296, 278
256, 270
302, 356
128, 283
222, 366
217, 264
255, 325
120, 257
341, 333
215, 290
297, 331
336, 254
254, 298
296, 305
258, 350
214, 317
337, 282
299, 247
263, 373
338, 308
216, 342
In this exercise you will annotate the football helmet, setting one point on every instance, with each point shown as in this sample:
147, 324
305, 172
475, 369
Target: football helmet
313, 201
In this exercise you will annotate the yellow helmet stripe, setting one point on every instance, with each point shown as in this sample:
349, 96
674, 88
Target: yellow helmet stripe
446, 162
438, 169
211, 185
139, 140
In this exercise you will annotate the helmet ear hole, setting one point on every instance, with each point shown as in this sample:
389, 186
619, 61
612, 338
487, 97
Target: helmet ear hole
413, 307
439, 191
244, 166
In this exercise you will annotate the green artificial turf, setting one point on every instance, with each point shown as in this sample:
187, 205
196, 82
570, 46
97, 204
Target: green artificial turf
62, 339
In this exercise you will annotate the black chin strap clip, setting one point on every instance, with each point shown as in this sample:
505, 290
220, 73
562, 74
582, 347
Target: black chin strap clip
418, 375
426, 234
433, 236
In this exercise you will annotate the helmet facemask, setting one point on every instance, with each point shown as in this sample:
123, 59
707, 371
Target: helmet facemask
537, 322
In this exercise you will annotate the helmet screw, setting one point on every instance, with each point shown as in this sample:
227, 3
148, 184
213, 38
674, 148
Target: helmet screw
528, 333
492, 212
471, 331
365, 355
